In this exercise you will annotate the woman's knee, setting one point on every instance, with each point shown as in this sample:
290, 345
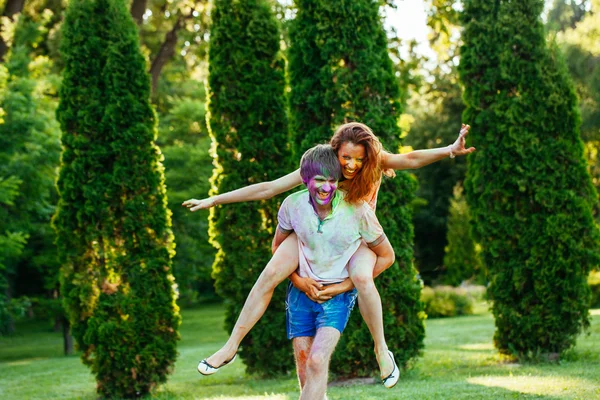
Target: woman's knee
363, 259
363, 282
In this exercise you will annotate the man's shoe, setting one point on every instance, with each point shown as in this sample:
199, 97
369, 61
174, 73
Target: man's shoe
206, 369
391, 380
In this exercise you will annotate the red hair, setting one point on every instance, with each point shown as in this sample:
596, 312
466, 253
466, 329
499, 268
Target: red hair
366, 180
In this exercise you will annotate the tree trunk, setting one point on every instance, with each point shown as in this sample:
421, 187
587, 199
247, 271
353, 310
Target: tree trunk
58, 324
12, 7
138, 8
67, 338
167, 50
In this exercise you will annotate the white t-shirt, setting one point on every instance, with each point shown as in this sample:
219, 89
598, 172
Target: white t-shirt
326, 246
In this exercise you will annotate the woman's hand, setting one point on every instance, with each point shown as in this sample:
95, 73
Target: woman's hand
458, 147
195, 205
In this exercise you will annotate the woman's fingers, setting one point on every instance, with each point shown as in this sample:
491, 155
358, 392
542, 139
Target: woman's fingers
190, 203
195, 205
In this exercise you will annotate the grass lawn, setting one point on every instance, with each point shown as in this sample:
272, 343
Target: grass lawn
459, 362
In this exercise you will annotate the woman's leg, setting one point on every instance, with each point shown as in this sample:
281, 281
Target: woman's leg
281, 265
369, 303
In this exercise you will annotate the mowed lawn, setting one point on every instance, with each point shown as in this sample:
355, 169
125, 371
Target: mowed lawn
459, 362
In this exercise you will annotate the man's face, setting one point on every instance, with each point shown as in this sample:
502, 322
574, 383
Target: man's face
322, 189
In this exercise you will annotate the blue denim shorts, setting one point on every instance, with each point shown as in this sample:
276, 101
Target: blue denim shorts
304, 316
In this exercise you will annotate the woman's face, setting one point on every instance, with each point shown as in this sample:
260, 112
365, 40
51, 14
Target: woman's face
351, 158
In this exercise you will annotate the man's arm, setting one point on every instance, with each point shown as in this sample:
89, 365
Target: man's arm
385, 256
306, 285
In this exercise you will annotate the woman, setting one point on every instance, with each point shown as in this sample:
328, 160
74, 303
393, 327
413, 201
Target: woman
363, 162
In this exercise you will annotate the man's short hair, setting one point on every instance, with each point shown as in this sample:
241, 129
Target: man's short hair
320, 160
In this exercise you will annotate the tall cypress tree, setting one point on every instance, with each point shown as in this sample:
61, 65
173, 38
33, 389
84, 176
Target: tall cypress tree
112, 222
248, 126
340, 71
527, 185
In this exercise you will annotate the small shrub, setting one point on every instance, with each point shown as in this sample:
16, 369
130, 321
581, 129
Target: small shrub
448, 301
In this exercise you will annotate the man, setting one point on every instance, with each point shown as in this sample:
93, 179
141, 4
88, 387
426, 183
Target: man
329, 232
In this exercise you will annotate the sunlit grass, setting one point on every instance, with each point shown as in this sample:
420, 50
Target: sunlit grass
459, 362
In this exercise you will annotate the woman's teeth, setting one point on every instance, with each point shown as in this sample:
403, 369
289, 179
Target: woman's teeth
323, 195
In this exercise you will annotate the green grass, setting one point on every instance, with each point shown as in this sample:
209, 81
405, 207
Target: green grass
459, 362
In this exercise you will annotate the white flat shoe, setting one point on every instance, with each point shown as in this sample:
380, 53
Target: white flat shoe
391, 380
206, 369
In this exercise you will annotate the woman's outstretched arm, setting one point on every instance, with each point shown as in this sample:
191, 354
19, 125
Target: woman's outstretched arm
258, 191
420, 158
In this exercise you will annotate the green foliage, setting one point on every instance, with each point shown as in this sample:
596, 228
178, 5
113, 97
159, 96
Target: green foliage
248, 125
528, 189
431, 120
437, 113
340, 71
113, 225
183, 138
29, 152
581, 46
462, 261
565, 14
447, 301
594, 282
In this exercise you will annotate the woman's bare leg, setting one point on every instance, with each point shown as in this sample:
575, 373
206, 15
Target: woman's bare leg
369, 303
283, 263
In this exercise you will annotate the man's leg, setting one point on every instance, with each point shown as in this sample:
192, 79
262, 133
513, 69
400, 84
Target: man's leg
281, 265
369, 303
317, 365
301, 352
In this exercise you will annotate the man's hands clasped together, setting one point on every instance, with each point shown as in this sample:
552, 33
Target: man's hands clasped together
316, 291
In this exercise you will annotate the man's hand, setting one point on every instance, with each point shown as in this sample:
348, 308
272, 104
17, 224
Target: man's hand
195, 205
328, 293
331, 291
308, 286
458, 147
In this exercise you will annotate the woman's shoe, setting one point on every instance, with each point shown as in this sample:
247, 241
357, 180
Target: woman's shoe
391, 380
206, 369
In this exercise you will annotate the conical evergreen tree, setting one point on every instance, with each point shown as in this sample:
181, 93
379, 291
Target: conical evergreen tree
113, 225
527, 186
340, 71
248, 125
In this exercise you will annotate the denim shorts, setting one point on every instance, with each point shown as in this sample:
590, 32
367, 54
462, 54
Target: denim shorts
304, 316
